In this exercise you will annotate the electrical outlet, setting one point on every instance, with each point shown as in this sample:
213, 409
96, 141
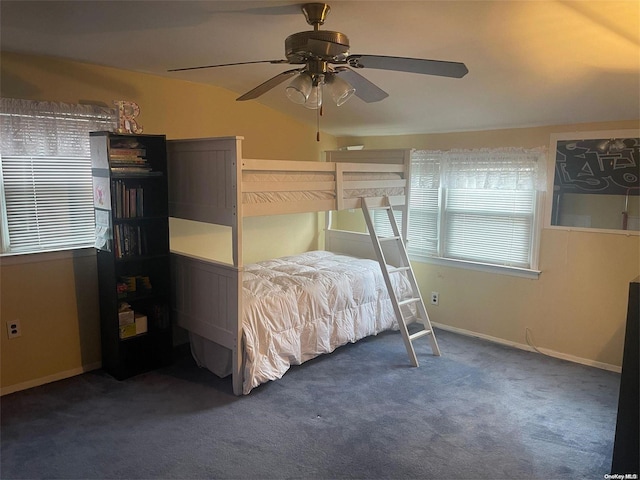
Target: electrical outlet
435, 298
13, 329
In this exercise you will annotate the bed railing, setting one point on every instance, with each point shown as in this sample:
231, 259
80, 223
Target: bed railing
273, 187
211, 182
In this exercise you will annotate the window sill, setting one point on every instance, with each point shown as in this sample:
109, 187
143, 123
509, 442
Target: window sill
46, 256
480, 267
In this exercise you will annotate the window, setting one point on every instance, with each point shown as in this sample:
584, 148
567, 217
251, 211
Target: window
45, 174
476, 206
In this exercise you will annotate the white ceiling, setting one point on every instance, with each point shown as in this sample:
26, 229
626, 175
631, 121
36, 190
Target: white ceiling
530, 63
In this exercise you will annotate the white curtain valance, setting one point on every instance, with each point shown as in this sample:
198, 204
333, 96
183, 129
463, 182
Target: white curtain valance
486, 169
37, 128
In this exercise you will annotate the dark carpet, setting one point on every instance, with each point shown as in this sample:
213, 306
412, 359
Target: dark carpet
481, 411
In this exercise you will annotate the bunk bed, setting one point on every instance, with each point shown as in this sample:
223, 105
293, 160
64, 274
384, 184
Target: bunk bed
222, 304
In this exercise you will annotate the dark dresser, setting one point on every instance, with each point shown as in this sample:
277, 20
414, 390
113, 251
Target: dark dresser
625, 447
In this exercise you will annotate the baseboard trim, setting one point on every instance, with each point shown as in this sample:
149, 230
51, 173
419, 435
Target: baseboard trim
551, 353
528, 348
49, 378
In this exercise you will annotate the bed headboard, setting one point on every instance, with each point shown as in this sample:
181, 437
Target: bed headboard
202, 175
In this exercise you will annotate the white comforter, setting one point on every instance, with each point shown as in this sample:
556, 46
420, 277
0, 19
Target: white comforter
296, 308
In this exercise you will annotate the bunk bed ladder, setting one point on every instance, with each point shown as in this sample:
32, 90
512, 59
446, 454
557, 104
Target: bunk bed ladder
404, 268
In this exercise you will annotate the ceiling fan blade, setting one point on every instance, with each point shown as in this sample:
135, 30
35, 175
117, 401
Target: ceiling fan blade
226, 65
268, 85
365, 90
413, 65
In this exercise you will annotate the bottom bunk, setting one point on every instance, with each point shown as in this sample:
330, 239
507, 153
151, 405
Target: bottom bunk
293, 309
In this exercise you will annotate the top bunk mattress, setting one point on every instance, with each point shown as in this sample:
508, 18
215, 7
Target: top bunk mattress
289, 189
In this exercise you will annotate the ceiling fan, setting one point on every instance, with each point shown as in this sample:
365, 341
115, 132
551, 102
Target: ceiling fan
326, 62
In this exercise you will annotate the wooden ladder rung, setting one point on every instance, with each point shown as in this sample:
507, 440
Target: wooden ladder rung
409, 301
399, 269
419, 334
388, 239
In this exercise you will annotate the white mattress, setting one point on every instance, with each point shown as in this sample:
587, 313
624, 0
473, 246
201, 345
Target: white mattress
298, 307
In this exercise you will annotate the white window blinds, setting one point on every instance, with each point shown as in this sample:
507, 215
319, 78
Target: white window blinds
489, 226
424, 213
46, 174
424, 209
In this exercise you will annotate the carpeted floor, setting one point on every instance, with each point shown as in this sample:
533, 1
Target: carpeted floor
481, 411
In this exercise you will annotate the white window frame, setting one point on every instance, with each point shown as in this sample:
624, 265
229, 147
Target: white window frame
439, 256
44, 144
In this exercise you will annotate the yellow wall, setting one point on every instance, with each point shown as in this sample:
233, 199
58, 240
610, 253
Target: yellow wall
56, 300
577, 307
263, 237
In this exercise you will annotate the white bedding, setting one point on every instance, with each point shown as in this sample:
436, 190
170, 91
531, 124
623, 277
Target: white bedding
298, 307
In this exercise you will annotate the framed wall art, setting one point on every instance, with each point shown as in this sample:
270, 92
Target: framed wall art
594, 180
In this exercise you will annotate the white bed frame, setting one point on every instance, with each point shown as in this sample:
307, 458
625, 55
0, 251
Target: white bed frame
206, 185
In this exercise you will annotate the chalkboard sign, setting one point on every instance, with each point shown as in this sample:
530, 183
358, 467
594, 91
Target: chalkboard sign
596, 180
608, 166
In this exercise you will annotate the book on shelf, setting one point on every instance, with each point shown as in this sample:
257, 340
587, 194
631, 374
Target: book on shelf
127, 152
146, 171
130, 241
127, 163
124, 143
129, 201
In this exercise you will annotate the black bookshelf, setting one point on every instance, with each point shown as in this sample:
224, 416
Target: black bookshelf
132, 241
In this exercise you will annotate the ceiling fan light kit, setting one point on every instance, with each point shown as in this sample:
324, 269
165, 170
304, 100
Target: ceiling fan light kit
314, 101
299, 89
307, 89
340, 90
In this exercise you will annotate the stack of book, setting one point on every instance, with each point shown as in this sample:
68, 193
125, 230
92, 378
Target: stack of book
129, 158
129, 161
